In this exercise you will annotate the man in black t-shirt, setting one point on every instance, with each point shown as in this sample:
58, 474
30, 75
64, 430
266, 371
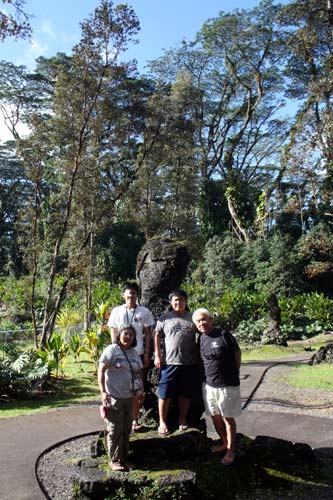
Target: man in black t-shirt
221, 358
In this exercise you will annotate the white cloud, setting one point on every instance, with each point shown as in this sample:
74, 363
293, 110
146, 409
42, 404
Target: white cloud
35, 49
47, 28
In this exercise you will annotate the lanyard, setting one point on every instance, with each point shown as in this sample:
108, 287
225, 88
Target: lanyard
129, 322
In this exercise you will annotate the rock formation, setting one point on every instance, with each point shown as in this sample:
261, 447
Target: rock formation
161, 267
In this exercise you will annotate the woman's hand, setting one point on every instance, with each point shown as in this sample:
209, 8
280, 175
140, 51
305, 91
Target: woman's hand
104, 398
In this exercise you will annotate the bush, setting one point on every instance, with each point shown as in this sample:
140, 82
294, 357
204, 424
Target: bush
250, 330
22, 373
54, 354
307, 307
235, 307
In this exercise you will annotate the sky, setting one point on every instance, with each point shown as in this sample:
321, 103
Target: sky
164, 24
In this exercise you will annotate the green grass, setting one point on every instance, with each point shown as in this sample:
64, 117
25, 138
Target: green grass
312, 377
269, 352
251, 353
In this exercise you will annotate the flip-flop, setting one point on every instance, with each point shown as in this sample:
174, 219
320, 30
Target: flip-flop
163, 430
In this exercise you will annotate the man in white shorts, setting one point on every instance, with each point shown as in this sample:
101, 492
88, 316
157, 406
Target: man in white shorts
221, 358
140, 318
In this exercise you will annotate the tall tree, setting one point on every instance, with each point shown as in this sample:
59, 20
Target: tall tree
235, 66
81, 158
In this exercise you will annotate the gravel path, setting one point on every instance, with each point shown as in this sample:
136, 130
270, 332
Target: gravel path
274, 394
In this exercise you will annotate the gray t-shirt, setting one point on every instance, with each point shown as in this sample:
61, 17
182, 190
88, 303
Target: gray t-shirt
118, 376
179, 334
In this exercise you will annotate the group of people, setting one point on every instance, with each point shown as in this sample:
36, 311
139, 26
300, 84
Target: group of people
189, 341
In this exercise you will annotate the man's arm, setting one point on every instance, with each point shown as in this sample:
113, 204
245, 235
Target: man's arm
114, 332
147, 333
238, 358
157, 350
101, 381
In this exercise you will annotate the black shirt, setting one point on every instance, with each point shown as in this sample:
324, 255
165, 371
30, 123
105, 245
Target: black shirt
217, 351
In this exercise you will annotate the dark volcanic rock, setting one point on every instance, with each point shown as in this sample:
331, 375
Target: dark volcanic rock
324, 355
161, 267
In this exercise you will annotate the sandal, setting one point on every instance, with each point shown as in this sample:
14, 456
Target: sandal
116, 466
228, 459
163, 430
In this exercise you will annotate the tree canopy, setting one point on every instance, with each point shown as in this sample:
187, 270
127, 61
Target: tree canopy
226, 144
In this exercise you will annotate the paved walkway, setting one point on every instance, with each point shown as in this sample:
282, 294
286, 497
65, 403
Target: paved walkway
23, 439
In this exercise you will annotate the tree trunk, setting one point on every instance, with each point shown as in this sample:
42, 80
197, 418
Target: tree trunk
242, 233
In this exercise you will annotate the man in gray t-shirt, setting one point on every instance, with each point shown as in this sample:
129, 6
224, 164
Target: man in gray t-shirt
177, 376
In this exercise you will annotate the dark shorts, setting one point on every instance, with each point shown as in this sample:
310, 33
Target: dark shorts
177, 380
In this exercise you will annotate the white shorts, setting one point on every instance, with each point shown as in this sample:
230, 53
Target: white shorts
225, 401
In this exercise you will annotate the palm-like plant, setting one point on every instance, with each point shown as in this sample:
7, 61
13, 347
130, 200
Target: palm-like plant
100, 311
95, 343
66, 318
55, 353
76, 347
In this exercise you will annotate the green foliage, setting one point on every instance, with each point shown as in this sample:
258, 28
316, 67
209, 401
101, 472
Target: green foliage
214, 213
76, 347
100, 311
66, 318
221, 261
22, 373
105, 292
14, 20
234, 306
118, 247
307, 307
152, 492
250, 330
271, 265
55, 353
95, 343
315, 248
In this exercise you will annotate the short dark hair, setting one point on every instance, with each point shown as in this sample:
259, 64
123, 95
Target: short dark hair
178, 292
122, 329
130, 285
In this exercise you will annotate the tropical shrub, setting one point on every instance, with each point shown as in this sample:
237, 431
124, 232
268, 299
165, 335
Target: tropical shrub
307, 308
22, 373
250, 330
76, 347
95, 342
67, 318
54, 354
234, 307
